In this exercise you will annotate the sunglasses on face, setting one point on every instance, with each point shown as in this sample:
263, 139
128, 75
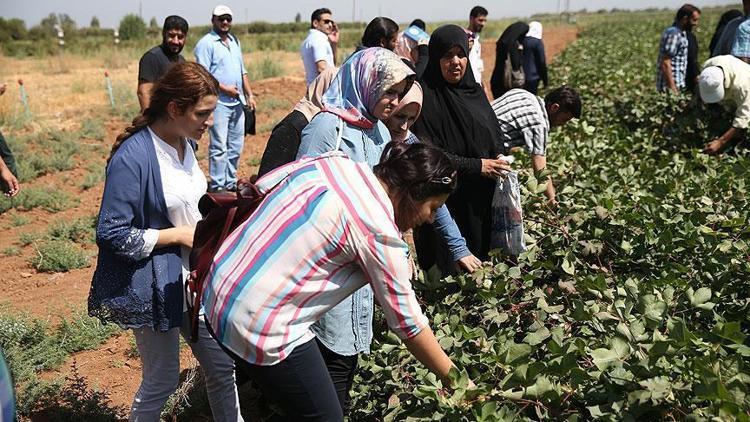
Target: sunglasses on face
224, 18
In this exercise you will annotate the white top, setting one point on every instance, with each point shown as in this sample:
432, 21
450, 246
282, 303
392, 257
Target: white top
736, 87
314, 49
183, 184
475, 58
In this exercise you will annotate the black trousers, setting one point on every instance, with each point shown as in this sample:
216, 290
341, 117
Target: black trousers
7, 156
532, 86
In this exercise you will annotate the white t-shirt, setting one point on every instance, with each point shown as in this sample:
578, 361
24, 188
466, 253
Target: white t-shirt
314, 49
475, 58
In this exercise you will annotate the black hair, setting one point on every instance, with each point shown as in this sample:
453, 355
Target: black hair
567, 98
687, 9
419, 23
378, 29
317, 13
174, 22
478, 11
414, 173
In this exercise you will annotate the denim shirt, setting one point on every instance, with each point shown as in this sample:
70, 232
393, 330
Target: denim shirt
224, 62
347, 328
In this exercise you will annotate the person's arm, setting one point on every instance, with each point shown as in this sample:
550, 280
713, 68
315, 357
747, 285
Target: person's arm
144, 94
722, 142
666, 71
423, 55
333, 38
319, 136
249, 97
383, 259
665, 66
451, 235
9, 180
425, 348
539, 163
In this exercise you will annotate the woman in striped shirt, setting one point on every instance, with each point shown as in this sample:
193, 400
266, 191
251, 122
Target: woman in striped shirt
327, 227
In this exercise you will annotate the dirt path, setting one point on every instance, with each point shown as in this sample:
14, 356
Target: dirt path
112, 368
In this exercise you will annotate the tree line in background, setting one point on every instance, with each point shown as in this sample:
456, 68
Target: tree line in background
131, 26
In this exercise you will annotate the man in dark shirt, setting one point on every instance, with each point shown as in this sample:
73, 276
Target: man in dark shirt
159, 59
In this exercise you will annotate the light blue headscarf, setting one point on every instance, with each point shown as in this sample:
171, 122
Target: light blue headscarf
362, 80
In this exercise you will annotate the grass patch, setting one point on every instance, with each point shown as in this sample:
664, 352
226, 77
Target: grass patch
270, 104
92, 128
59, 256
11, 251
28, 238
48, 199
94, 177
264, 69
33, 345
18, 220
80, 230
126, 101
45, 152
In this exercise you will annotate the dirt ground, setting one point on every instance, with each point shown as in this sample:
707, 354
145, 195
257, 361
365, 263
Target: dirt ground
64, 91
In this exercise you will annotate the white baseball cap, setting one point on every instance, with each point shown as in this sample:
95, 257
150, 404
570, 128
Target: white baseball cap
711, 84
221, 10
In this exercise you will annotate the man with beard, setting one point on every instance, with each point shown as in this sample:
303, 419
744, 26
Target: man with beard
220, 53
477, 20
159, 59
673, 50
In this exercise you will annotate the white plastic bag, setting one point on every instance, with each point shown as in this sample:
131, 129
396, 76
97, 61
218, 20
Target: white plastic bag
507, 216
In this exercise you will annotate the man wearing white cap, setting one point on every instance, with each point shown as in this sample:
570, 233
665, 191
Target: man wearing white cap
220, 53
726, 79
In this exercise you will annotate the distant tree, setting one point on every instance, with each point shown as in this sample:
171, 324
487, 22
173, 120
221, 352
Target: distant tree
132, 27
52, 22
67, 23
297, 18
12, 29
94, 22
153, 24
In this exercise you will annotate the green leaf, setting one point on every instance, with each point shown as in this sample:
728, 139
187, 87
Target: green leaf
537, 336
603, 358
568, 267
700, 296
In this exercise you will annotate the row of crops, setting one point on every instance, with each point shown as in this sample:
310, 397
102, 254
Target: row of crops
632, 303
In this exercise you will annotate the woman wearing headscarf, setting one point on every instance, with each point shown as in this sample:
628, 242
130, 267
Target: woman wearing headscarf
415, 52
365, 92
534, 63
285, 138
457, 117
401, 120
508, 50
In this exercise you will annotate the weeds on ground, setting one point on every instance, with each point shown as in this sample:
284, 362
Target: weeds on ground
264, 68
27, 238
45, 152
94, 176
76, 401
80, 230
11, 251
126, 102
32, 345
18, 220
92, 128
48, 199
59, 256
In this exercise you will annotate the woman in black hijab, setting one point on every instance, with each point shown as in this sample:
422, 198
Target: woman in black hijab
457, 118
509, 45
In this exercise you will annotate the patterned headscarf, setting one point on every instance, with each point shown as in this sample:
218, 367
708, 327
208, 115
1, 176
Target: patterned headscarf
362, 80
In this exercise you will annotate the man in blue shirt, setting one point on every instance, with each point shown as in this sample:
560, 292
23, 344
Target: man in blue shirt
220, 53
673, 50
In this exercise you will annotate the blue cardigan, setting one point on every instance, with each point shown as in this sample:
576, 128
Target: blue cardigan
127, 290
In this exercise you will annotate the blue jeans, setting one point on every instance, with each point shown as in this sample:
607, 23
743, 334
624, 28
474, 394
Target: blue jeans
227, 139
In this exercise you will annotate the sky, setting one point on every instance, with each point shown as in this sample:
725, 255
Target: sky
198, 12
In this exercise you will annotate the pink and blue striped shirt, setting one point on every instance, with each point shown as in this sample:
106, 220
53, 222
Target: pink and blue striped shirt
325, 229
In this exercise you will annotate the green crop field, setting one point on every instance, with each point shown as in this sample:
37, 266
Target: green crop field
632, 302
